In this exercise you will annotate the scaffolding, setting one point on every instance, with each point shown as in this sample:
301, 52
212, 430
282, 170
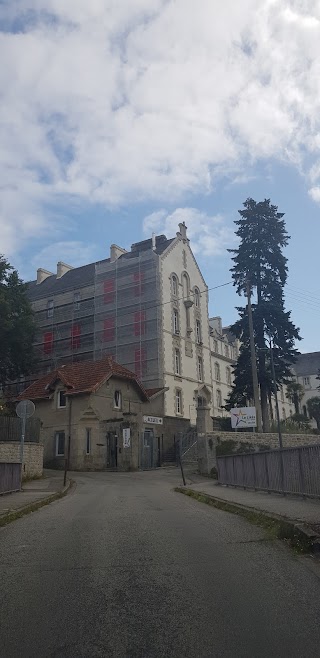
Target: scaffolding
116, 312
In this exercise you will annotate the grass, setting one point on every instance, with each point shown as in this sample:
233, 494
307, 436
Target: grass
33, 507
275, 528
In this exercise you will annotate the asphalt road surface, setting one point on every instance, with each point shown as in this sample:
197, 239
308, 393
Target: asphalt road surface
125, 567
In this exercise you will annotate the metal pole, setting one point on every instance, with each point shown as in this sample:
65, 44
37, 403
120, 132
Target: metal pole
254, 362
275, 395
180, 459
23, 431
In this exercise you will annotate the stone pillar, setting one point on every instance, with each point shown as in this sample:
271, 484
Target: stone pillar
204, 420
206, 442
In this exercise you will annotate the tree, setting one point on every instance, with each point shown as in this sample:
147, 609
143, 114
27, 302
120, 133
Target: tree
295, 393
313, 405
259, 260
17, 326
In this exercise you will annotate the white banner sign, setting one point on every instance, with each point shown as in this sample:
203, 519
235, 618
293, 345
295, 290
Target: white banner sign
126, 437
243, 417
154, 420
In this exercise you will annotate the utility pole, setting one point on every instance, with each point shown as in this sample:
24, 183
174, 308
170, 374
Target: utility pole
255, 383
275, 394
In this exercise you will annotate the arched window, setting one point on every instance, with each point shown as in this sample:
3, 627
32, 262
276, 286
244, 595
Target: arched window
219, 399
215, 346
197, 297
174, 282
217, 372
228, 375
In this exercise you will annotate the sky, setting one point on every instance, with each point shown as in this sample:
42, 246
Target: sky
118, 119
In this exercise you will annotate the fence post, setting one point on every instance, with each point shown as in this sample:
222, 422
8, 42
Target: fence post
267, 472
302, 483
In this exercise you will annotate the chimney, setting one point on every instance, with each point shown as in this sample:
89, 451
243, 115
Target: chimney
42, 275
182, 231
62, 268
153, 241
115, 252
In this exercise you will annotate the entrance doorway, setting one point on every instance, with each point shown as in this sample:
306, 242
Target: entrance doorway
147, 449
112, 450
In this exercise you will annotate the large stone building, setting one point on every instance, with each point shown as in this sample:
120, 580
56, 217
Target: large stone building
307, 369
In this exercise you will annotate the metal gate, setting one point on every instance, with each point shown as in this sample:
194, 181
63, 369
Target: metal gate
188, 444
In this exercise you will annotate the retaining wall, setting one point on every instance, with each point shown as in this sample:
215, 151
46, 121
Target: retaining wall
32, 456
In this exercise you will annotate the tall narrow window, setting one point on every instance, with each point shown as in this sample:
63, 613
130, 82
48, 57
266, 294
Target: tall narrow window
75, 336
200, 369
217, 372
178, 402
60, 441
108, 330
226, 351
282, 393
219, 399
177, 362
175, 321
228, 375
284, 413
61, 400
76, 301
138, 278
48, 342
140, 323
88, 441
50, 308
108, 291
174, 281
117, 400
198, 331
196, 297
140, 362
215, 346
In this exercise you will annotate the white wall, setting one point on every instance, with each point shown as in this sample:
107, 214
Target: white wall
177, 259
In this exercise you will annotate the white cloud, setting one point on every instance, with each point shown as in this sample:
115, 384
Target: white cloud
74, 253
314, 192
109, 102
208, 235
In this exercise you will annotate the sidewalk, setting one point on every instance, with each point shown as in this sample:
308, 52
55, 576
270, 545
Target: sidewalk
34, 493
293, 508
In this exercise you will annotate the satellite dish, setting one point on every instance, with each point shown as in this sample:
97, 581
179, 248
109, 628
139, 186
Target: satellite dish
25, 409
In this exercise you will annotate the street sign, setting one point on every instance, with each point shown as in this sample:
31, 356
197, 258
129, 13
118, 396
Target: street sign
243, 417
153, 420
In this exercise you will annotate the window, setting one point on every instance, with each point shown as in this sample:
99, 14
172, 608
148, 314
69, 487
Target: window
184, 258
177, 362
228, 375
60, 441
75, 336
226, 351
88, 441
76, 301
62, 400
174, 285
108, 330
48, 342
306, 381
219, 399
50, 308
198, 332
196, 297
138, 283
217, 372
200, 369
117, 400
200, 401
175, 321
140, 362
282, 393
108, 291
140, 323
215, 346
185, 286
178, 402
284, 413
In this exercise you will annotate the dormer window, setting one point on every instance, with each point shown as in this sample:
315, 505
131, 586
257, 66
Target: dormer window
117, 399
62, 400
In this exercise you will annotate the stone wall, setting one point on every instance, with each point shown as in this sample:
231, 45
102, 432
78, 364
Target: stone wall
32, 456
268, 440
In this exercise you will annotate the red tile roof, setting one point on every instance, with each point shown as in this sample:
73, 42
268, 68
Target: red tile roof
153, 391
81, 377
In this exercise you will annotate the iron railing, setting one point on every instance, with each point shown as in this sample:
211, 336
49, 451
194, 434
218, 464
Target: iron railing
10, 477
10, 429
290, 471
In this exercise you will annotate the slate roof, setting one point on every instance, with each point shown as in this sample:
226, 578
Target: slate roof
81, 377
307, 364
83, 276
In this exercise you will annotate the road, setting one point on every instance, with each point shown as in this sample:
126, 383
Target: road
125, 567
